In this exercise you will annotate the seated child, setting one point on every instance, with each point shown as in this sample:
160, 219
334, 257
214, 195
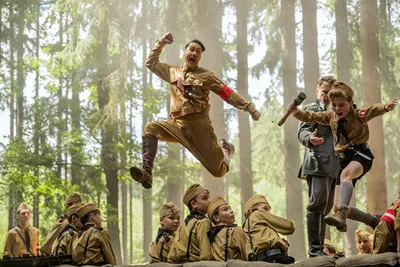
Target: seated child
191, 242
363, 242
169, 220
93, 244
262, 228
228, 241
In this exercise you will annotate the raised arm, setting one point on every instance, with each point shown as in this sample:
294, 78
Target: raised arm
377, 110
232, 98
153, 60
323, 118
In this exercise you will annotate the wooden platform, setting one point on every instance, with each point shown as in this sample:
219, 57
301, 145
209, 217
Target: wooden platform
381, 260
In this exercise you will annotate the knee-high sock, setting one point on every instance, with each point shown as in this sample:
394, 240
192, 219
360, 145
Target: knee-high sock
345, 194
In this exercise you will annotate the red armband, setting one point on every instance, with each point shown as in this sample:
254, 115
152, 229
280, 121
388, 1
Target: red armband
225, 92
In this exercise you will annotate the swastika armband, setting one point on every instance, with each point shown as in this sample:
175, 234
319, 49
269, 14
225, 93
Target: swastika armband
225, 92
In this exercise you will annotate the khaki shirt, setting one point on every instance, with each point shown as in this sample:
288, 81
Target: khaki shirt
236, 244
98, 246
355, 123
200, 81
200, 249
63, 244
45, 249
160, 247
264, 229
15, 245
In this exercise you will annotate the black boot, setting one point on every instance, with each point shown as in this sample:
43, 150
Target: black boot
315, 244
144, 175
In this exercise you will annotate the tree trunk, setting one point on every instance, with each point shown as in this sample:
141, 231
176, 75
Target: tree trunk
108, 137
246, 173
175, 182
147, 193
123, 184
36, 120
310, 48
376, 178
11, 190
294, 205
20, 71
343, 58
209, 21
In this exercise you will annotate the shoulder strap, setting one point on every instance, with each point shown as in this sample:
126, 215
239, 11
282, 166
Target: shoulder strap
226, 243
248, 232
23, 240
161, 250
87, 242
190, 240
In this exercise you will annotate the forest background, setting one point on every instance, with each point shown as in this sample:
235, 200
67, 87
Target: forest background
75, 96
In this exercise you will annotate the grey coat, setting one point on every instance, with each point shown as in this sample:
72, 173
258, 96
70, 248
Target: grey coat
318, 160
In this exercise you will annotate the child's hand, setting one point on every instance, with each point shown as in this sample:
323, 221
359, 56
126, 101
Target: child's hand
292, 108
391, 104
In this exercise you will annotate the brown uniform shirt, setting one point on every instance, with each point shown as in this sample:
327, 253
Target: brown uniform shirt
200, 249
63, 244
98, 246
200, 80
160, 247
45, 249
15, 245
355, 123
264, 229
236, 244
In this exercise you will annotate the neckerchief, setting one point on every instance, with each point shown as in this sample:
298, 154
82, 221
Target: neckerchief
162, 232
194, 214
216, 229
85, 228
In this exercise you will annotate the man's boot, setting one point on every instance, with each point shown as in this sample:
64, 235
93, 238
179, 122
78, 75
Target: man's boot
149, 149
228, 150
315, 247
338, 219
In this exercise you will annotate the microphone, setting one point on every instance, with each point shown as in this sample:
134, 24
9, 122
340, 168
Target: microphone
296, 102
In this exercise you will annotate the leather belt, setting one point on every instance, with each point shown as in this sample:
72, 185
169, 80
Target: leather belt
350, 150
267, 253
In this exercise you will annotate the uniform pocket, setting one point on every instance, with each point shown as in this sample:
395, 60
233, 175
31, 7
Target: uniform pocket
318, 162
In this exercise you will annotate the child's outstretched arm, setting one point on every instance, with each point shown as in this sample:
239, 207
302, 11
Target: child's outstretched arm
377, 110
322, 118
391, 104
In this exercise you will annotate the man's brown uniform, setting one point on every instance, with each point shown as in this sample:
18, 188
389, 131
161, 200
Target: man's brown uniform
189, 123
160, 248
229, 243
93, 246
20, 242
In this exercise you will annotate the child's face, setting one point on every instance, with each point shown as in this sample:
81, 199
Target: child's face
171, 222
363, 245
201, 202
341, 106
225, 215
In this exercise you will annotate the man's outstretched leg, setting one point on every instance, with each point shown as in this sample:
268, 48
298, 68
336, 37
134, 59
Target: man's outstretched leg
144, 175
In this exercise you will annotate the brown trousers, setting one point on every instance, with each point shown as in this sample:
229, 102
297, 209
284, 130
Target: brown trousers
383, 236
196, 134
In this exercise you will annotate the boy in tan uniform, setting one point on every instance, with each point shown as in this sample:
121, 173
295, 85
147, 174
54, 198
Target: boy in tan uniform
93, 245
169, 220
262, 228
64, 241
189, 123
228, 241
23, 239
350, 131
363, 242
61, 223
191, 242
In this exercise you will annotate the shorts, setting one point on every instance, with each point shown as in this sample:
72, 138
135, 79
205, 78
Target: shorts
349, 156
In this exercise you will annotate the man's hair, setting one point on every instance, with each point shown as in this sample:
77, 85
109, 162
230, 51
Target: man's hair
85, 218
203, 48
326, 78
